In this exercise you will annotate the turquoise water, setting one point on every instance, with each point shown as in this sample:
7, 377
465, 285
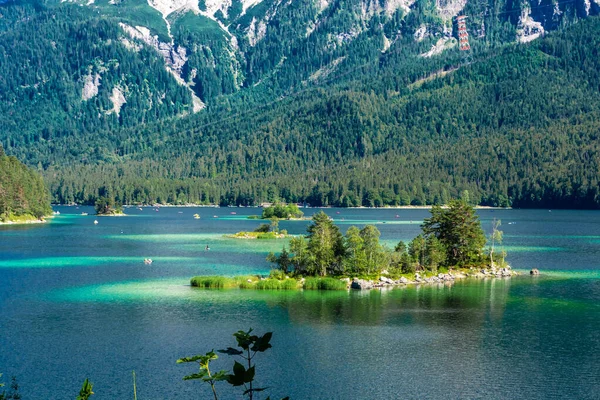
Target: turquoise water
76, 301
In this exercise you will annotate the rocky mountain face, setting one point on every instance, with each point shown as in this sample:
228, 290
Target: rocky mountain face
214, 48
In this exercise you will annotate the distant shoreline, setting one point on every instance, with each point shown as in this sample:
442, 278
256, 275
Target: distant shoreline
345, 208
27, 221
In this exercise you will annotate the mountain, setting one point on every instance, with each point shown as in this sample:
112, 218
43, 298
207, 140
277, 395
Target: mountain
344, 102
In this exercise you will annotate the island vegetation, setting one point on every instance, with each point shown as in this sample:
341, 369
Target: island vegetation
451, 244
282, 211
264, 231
106, 206
23, 195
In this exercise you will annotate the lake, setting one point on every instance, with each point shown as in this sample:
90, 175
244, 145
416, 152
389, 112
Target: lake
77, 301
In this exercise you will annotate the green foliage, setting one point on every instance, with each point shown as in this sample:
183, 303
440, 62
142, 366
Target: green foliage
86, 390
458, 230
204, 374
284, 124
22, 191
325, 246
282, 211
324, 284
276, 284
213, 282
451, 237
107, 206
496, 237
263, 228
248, 346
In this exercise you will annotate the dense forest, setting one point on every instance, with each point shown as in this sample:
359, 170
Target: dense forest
22, 191
516, 126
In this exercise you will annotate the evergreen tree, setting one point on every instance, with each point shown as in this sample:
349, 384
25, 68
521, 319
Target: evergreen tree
458, 229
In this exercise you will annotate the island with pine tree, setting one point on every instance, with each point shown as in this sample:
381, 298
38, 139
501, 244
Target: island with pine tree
451, 245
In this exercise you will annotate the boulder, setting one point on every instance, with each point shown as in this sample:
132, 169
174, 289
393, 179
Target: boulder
403, 280
361, 284
387, 280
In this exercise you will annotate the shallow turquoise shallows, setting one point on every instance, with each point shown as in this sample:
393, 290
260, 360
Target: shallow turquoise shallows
77, 301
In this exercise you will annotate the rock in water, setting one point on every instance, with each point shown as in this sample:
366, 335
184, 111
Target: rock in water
361, 284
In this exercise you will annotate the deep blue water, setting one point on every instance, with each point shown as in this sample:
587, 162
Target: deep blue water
77, 301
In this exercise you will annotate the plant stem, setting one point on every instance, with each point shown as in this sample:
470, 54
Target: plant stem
134, 387
249, 366
212, 382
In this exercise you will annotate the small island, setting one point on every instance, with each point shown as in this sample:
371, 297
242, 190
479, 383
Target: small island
451, 246
106, 207
24, 198
264, 231
280, 211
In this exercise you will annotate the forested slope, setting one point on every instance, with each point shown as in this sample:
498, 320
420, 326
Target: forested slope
518, 127
22, 191
352, 124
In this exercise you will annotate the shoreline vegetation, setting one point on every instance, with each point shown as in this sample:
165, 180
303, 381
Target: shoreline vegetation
24, 199
23, 219
450, 246
264, 205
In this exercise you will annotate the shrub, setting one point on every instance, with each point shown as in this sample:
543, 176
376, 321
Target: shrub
324, 284
268, 235
289, 284
268, 284
277, 274
246, 285
263, 228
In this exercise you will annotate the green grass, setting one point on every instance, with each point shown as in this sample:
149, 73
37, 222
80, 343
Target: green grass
219, 282
223, 282
275, 284
324, 284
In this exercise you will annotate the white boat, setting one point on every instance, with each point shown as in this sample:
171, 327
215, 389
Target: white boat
95, 222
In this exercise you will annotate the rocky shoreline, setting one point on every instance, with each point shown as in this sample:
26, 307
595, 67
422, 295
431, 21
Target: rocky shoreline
363, 284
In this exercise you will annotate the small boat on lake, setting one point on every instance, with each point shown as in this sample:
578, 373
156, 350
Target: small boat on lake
147, 261
95, 222
196, 216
